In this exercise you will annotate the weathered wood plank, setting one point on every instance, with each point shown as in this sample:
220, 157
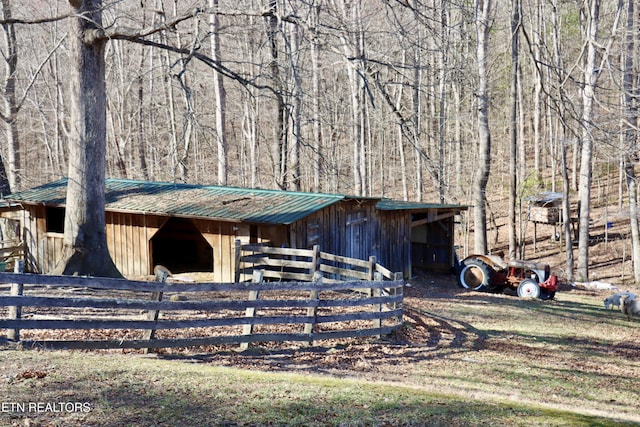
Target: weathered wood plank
195, 342
286, 275
361, 275
385, 272
278, 251
273, 262
344, 260
203, 305
86, 324
144, 286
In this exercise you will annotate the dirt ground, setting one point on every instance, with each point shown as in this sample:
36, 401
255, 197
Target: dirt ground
427, 334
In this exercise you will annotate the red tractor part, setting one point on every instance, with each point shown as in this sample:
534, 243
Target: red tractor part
492, 273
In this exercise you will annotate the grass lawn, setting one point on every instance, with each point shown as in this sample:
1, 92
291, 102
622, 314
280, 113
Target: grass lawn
473, 360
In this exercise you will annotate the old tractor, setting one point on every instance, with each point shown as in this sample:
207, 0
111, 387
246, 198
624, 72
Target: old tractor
494, 274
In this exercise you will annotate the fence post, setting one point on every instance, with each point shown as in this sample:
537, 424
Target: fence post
150, 334
315, 261
313, 311
398, 277
15, 312
238, 253
254, 294
377, 323
372, 267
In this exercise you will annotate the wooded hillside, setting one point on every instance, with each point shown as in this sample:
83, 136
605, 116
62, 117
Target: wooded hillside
363, 97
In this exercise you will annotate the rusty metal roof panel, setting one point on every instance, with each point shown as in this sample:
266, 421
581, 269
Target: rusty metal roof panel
215, 202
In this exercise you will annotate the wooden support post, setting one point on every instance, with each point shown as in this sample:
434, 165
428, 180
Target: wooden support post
372, 267
254, 294
238, 254
315, 261
371, 271
15, 312
378, 292
154, 315
396, 278
313, 311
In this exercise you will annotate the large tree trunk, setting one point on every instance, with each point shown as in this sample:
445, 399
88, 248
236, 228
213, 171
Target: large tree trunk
566, 184
85, 249
315, 101
280, 144
588, 95
513, 129
10, 177
481, 178
220, 97
629, 133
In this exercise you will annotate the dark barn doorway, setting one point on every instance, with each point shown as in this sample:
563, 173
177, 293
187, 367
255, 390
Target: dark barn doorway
432, 244
180, 247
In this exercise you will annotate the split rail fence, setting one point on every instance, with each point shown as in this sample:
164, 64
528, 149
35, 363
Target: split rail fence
70, 312
303, 264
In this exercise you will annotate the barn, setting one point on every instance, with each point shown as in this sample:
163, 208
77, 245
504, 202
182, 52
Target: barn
194, 228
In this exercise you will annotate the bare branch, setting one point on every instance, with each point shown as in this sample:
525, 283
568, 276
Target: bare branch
24, 21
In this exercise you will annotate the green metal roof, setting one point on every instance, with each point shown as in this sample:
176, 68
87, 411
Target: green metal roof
398, 205
213, 202
201, 201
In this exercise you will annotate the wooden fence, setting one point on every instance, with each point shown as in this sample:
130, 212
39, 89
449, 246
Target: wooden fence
67, 312
11, 251
303, 264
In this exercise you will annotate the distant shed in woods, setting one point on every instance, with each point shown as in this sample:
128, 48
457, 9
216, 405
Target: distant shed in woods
194, 227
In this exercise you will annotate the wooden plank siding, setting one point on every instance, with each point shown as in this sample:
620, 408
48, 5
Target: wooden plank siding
353, 228
395, 229
349, 228
128, 237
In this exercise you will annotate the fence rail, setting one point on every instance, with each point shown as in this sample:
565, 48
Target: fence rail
302, 264
102, 313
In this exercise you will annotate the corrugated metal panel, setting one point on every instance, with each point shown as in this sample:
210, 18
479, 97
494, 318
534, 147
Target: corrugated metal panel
228, 203
395, 205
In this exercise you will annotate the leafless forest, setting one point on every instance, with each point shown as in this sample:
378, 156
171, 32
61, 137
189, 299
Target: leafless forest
455, 102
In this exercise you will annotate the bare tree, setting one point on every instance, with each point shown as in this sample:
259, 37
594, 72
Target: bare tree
629, 131
592, 71
220, 96
482, 22
513, 127
85, 249
10, 111
591, 13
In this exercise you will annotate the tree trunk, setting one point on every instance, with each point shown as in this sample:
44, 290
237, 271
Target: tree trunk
566, 187
315, 101
629, 134
513, 129
10, 177
481, 178
296, 126
140, 82
220, 97
588, 95
280, 144
85, 249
